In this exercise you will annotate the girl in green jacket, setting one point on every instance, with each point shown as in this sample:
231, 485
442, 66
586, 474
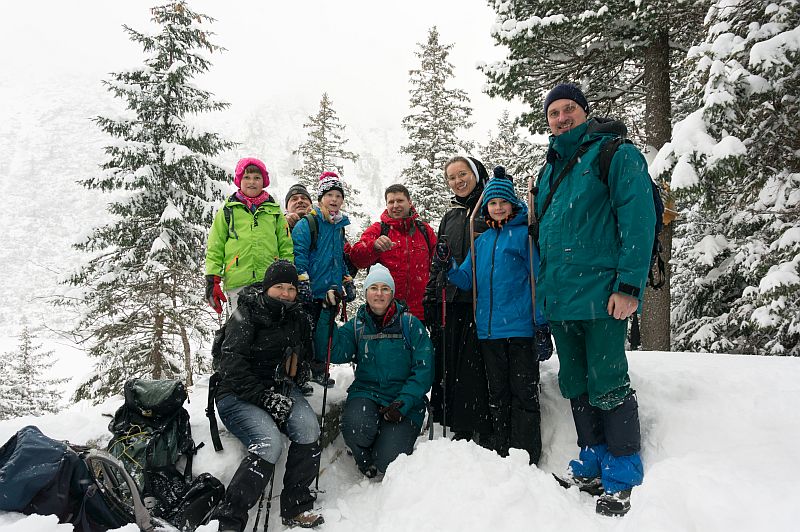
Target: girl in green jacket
248, 234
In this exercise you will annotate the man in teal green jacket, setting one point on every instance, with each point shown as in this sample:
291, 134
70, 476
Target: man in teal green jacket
595, 241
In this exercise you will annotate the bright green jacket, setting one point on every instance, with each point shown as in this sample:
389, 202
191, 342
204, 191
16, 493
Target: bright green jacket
241, 251
594, 239
389, 366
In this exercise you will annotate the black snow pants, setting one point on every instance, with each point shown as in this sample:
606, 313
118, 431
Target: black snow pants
512, 369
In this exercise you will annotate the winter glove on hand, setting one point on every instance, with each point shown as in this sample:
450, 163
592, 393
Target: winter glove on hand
349, 288
277, 405
303, 375
392, 413
441, 256
332, 298
543, 342
304, 291
214, 294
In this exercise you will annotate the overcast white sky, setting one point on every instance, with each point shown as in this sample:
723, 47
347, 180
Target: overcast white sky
358, 51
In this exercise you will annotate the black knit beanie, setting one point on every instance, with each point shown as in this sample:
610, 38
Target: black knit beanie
280, 271
566, 91
296, 189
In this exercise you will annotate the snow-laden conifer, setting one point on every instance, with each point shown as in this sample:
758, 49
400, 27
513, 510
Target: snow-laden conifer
439, 113
142, 288
736, 161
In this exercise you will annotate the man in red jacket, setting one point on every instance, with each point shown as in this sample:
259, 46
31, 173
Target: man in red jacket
402, 243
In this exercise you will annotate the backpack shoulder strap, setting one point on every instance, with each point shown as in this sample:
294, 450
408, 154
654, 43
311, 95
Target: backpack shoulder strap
405, 322
420, 225
607, 151
227, 211
567, 168
313, 230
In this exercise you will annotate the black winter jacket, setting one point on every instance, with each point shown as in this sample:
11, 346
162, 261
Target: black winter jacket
455, 228
256, 338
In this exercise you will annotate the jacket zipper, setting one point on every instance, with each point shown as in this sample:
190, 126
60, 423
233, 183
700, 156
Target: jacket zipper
491, 282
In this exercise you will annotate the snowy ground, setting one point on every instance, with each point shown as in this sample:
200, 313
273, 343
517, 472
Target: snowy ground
719, 437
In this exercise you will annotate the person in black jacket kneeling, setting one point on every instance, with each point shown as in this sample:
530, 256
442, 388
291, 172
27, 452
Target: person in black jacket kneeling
265, 358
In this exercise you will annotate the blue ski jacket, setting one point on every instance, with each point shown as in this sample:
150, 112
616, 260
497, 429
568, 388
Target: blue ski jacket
502, 266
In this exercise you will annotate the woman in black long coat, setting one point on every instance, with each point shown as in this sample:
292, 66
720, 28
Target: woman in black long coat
466, 396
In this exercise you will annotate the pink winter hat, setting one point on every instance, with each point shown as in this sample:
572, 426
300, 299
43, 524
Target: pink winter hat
244, 163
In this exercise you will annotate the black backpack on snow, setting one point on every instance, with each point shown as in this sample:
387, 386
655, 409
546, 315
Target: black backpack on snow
84, 487
151, 433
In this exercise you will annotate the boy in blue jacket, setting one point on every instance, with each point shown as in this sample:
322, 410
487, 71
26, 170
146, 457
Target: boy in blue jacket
504, 318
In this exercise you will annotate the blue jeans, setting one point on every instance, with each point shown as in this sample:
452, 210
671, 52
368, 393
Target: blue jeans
256, 429
373, 440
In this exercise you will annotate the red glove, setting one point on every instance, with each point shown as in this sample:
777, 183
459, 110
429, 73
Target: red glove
214, 294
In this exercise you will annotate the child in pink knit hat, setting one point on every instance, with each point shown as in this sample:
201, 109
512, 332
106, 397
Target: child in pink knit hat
247, 235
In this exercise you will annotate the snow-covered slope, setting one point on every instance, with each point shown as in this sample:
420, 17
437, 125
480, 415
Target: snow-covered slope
719, 435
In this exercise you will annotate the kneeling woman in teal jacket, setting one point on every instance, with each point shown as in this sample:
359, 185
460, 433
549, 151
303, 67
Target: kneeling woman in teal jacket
394, 370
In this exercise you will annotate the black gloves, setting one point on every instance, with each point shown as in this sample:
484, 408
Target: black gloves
543, 342
277, 405
332, 298
392, 413
349, 288
441, 256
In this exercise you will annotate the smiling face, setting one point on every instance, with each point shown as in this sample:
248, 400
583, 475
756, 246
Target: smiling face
283, 291
398, 205
379, 297
298, 204
332, 201
252, 183
460, 178
563, 115
499, 209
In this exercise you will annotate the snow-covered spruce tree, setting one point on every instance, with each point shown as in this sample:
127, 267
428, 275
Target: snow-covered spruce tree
324, 151
25, 390
438, 114
142, 288
736, 159
622, 53
520, 157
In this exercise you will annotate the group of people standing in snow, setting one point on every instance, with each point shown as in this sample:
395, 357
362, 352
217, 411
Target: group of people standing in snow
465, 312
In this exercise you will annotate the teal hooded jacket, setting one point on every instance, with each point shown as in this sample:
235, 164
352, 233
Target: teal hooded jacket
390, 366
595, 238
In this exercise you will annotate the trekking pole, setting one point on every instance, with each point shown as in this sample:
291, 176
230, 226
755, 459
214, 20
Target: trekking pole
269, 499
444, 353
531, 214
331, 325
258, 513
472, 256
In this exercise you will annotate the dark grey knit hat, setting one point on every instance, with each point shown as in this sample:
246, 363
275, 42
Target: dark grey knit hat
566, 91
280, 271
296, 189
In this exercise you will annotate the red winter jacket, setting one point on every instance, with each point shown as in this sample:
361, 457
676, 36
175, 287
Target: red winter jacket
408, 261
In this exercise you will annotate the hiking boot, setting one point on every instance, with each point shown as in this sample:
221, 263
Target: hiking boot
304, 520
307, 390
614, 504
370, 472
319, 378
591, 485
462, 435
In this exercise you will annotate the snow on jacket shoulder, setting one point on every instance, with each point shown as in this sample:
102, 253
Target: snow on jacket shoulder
408, 260
240, 250
325, 264
387, 369
504, 308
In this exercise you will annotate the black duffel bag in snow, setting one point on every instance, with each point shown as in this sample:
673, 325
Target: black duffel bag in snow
151, 433
85, 487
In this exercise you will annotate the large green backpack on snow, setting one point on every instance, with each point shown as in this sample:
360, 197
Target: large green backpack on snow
151, 432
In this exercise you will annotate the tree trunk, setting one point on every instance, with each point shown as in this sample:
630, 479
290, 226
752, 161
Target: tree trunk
157, 353
187, 356
655, 322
